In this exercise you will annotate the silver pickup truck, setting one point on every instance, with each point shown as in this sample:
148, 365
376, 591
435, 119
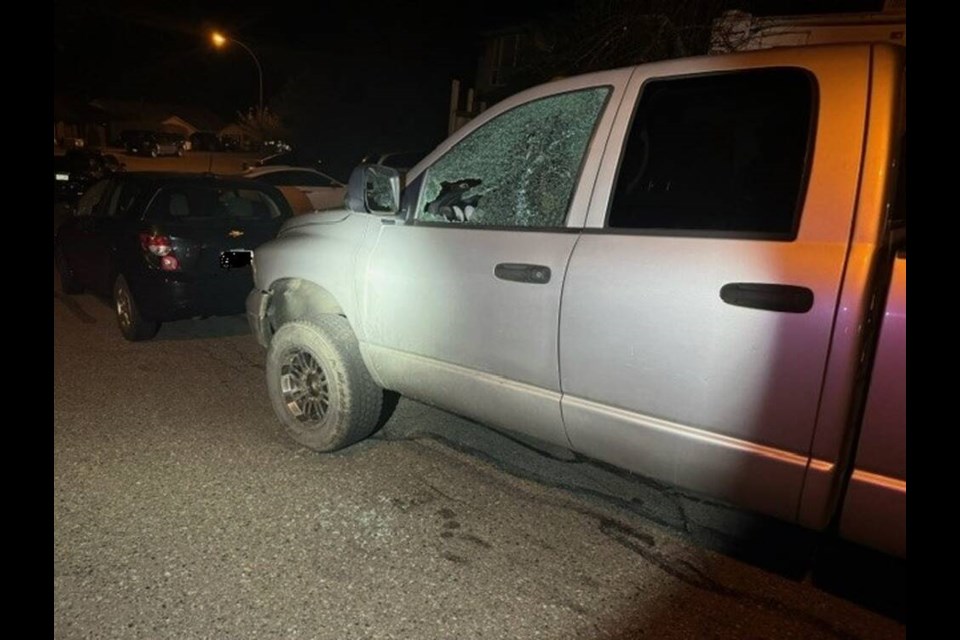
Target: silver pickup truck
694, 270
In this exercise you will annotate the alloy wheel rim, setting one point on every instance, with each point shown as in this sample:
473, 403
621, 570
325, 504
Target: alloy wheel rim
305, 387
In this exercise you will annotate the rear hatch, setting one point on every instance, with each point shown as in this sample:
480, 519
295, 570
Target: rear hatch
210, 229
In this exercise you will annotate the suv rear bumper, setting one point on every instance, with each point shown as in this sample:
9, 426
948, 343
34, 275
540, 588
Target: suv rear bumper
166, 297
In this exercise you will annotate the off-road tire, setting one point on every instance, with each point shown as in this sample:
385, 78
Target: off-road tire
319, 386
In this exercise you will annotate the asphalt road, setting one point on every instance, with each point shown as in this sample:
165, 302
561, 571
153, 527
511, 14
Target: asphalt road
181, 510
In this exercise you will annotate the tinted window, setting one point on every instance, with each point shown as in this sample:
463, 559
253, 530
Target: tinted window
206, 202
124, 199
719, 153
90, 202
517, 170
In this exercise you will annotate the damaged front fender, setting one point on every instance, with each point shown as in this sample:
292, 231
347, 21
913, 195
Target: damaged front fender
257, 304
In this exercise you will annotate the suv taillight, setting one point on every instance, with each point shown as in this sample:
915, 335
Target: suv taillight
160, 245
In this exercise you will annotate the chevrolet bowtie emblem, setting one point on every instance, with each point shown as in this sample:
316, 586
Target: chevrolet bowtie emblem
235, 233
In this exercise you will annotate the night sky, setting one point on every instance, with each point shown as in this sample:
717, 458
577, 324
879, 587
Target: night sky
379, 70
161, 50
388, 63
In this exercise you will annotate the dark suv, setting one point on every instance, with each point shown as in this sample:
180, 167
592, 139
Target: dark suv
167, 246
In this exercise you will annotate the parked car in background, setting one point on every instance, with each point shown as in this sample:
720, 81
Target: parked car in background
132, 140
205, 141
162, 144
182, 140
72, 143
295, 157
77, 169
321, 191
167, 246
153, 143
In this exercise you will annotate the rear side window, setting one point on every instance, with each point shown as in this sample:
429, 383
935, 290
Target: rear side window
92, 201
723, 154
124, 199
208, 202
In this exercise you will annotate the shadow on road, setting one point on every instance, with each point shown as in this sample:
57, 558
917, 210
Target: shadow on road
200, 328
192, 329
854, 574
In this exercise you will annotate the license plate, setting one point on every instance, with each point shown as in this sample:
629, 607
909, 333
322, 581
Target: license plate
235, 258
62, 177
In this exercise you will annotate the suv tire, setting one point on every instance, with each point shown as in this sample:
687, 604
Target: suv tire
132, 325
319, 386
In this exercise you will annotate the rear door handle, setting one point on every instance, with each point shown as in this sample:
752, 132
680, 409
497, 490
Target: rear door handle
786, 298
518, 272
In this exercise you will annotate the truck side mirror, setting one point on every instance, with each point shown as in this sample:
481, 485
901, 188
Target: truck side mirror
374, 189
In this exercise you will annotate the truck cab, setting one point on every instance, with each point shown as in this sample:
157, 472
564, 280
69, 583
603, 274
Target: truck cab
677, 268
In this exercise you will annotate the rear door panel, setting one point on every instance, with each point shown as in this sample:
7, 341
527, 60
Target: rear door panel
661, 375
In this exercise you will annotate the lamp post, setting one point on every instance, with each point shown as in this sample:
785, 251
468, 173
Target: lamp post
219, 41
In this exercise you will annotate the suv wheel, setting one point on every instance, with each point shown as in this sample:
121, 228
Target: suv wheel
319, 386
132, 325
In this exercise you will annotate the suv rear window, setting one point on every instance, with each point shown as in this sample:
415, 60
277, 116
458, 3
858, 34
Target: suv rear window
211, 202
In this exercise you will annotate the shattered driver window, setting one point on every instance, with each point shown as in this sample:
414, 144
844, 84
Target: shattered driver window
519, 169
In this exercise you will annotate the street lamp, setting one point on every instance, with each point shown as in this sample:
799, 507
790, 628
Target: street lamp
219, 41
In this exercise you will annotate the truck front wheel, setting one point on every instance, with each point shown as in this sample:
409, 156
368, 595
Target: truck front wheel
319, 386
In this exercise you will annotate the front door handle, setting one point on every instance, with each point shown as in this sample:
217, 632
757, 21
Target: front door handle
518, 272
786, 298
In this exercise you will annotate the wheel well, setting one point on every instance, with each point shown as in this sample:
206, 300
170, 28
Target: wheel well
297, 299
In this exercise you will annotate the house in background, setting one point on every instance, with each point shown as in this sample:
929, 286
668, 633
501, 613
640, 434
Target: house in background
172, 118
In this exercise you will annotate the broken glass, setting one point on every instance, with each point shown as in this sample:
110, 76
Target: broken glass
519, 169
